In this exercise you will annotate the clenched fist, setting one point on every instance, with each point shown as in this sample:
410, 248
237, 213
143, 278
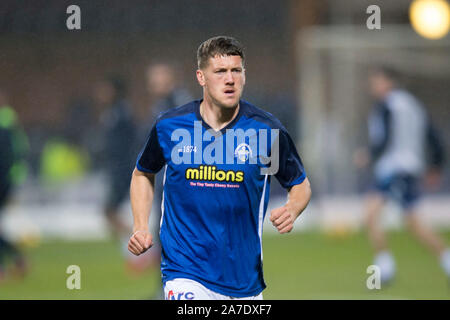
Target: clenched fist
282, 219
140, 242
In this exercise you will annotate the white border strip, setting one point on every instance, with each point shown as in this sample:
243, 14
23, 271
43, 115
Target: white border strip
162, 201
261, 215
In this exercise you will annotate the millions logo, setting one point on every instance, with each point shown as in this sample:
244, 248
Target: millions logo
210, 173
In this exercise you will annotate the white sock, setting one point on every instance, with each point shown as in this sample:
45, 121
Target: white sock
385, 261
445, 261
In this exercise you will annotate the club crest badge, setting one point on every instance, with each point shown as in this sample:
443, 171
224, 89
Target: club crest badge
243, 152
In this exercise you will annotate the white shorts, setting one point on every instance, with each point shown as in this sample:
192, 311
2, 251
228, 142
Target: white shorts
187, 289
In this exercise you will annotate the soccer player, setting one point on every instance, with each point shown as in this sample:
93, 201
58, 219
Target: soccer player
13, 147
163, 88
119, 135
401, 135
166, 94
213, 211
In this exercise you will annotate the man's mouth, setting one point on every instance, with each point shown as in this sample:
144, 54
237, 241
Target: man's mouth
229, 91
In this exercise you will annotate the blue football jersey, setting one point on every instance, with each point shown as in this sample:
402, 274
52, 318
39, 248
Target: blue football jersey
216, 192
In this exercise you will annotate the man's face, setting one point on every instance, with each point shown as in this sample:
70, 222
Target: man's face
223, 80
103, 93
160, 80
379, 85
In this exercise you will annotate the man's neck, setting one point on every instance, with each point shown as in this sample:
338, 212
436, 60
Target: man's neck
217, 117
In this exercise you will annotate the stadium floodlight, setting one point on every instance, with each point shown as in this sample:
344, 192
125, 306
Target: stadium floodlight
430, 18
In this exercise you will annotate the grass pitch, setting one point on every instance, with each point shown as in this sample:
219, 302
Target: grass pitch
308, 265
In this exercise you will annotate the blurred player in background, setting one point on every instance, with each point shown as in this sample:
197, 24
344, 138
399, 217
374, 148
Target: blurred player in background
165, 92
407, 155
13, 147
119, 147
163, 88
211, 232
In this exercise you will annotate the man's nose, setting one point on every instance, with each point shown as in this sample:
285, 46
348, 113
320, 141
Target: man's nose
229, 78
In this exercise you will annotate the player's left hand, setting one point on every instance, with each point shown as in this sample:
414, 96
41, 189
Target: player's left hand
282, 219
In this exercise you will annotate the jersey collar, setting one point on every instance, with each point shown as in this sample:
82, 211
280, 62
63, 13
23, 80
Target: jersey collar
207, 126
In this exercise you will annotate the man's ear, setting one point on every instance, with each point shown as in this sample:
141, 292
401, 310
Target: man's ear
200, 77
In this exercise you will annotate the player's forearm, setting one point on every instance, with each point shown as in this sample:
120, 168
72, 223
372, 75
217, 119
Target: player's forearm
298, 198
141, 195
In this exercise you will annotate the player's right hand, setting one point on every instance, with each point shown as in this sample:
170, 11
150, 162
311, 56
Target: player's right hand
140, 242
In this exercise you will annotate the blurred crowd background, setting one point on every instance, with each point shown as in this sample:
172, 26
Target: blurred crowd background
78, 94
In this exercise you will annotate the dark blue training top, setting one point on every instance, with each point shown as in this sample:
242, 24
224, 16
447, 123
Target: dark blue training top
215, 194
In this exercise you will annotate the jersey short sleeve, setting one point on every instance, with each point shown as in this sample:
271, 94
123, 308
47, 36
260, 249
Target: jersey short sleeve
151, 158
291, 170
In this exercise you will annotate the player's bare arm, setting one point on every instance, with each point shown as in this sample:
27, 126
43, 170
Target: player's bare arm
298, 198
141, 195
